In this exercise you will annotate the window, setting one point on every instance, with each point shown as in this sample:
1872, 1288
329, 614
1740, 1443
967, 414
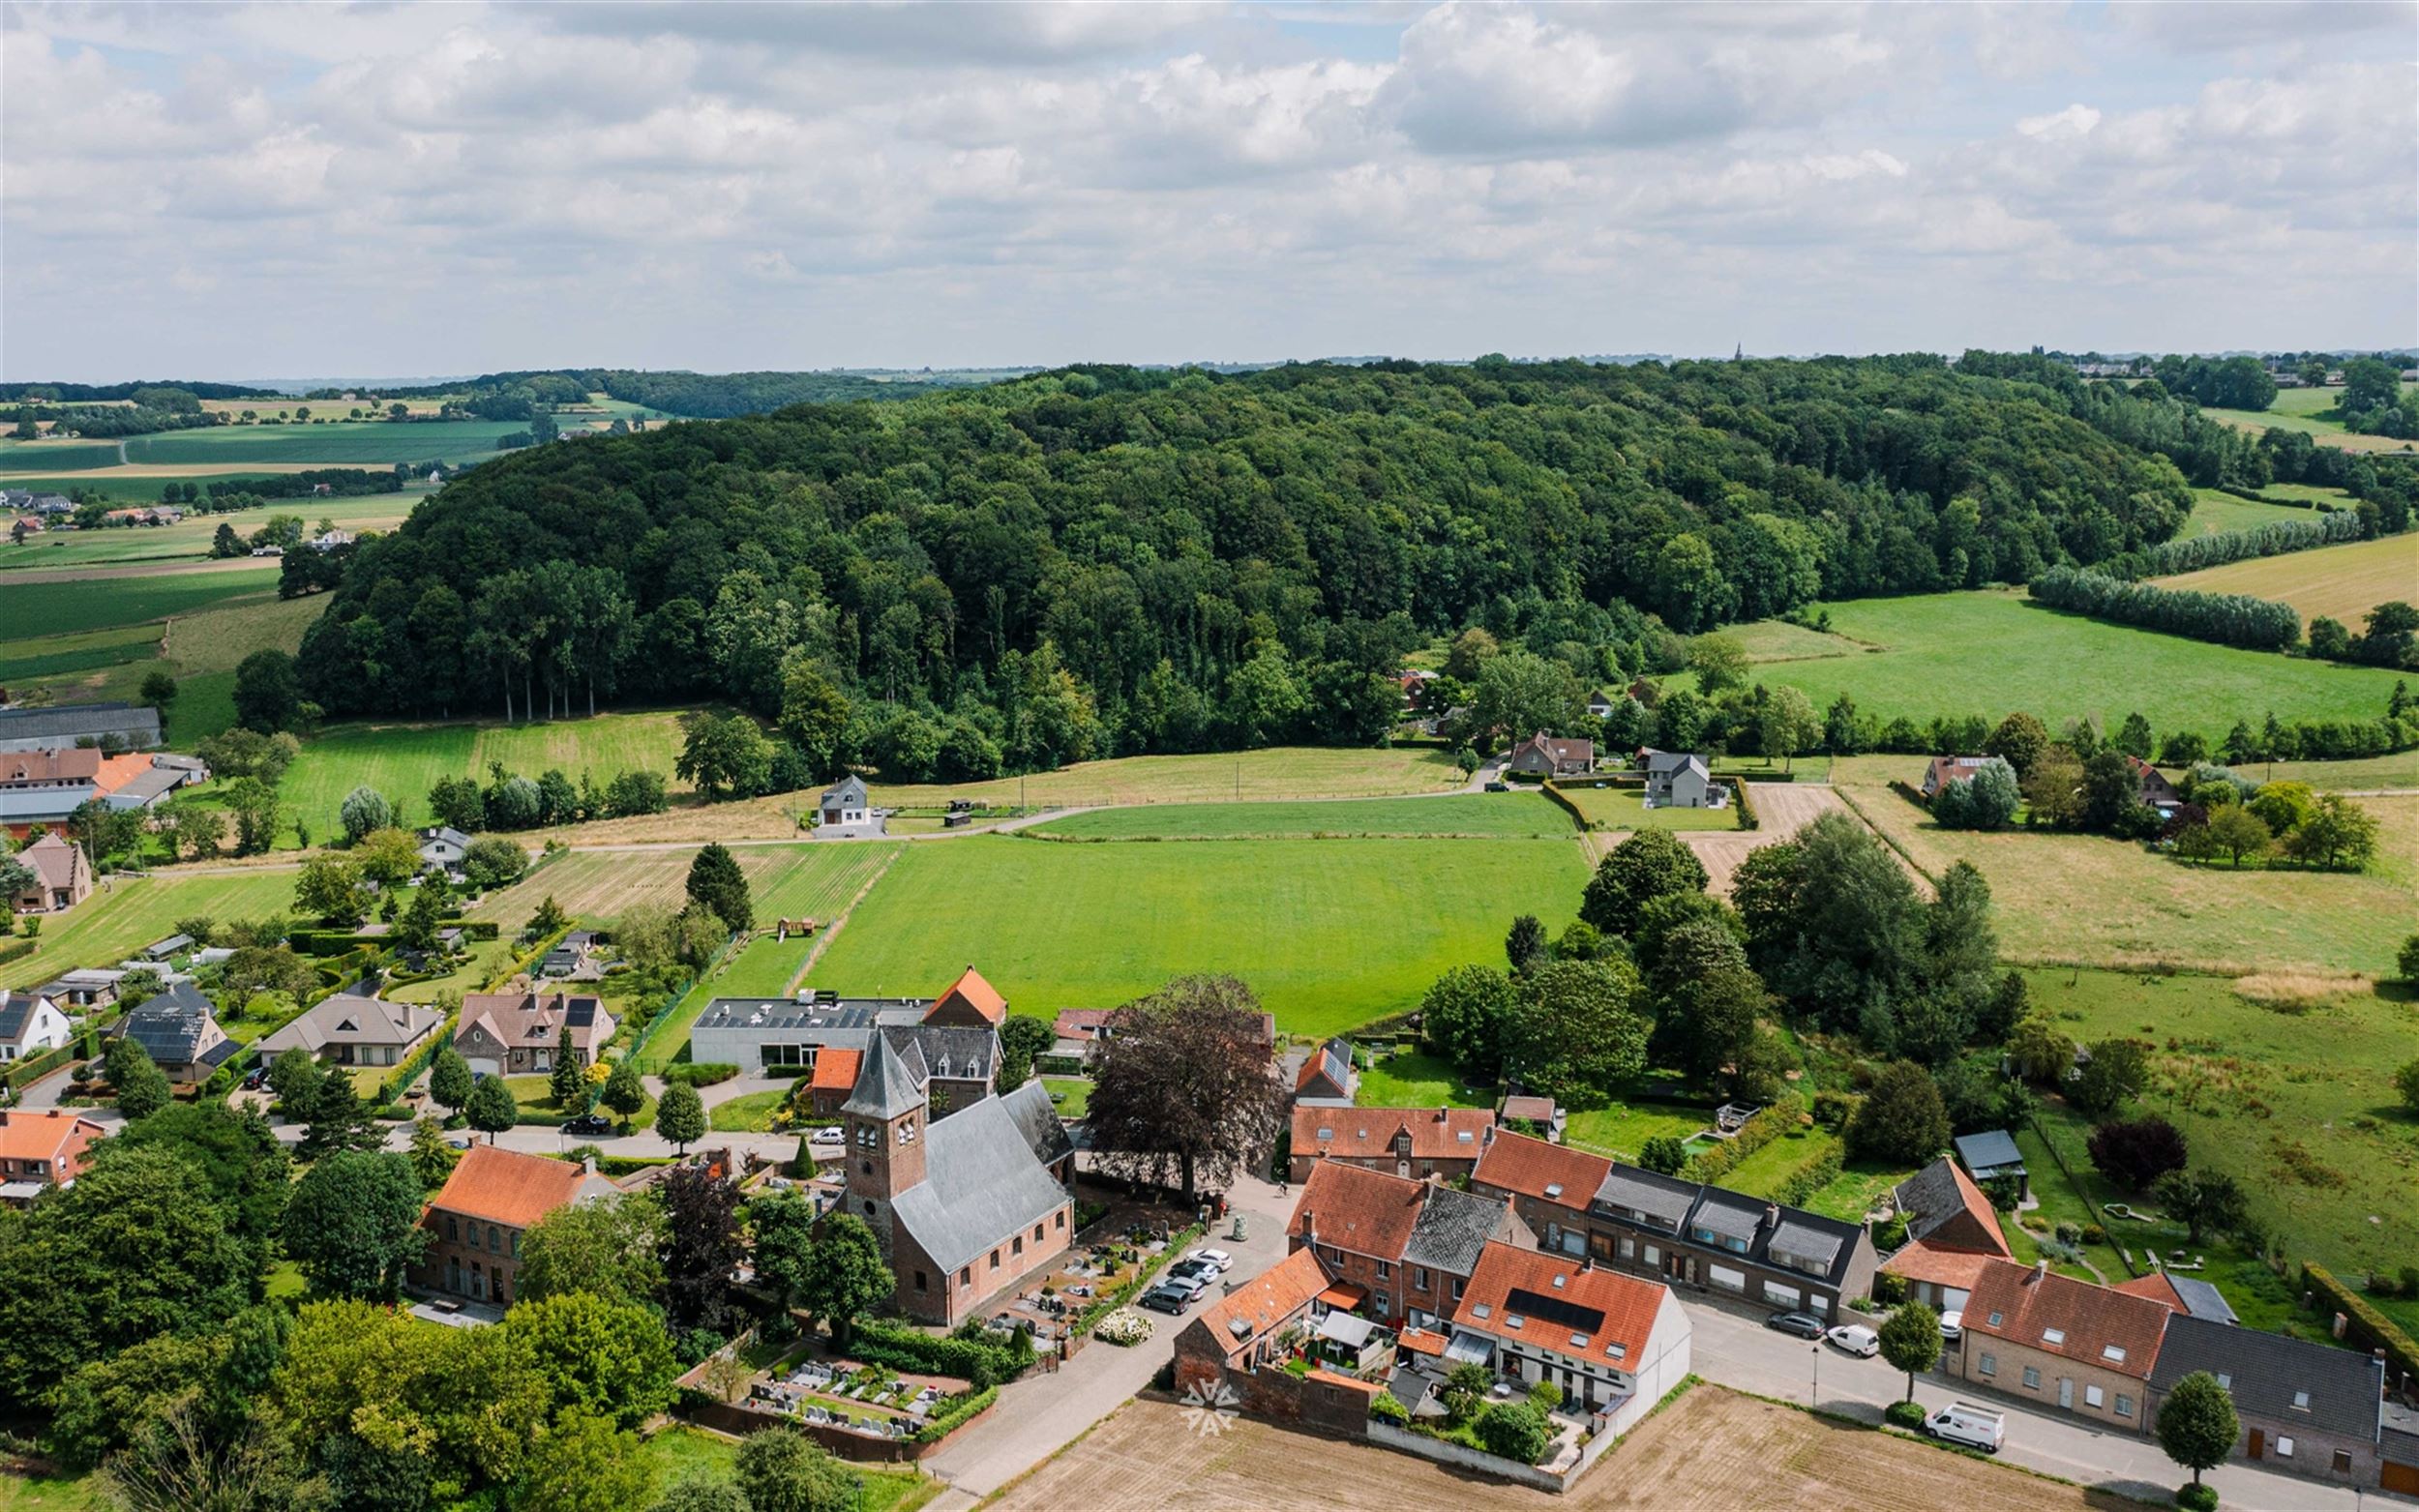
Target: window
2283, 1446
2113, 1353
452, 1230
1419, 1278
1058, 1220
1385, 1271
1629, 1249
1989, 1364
919, 1281
2031, 1378
965, 1275
995, 1260
1036, 1233
2125, 1405
2092, 1396
2225, 1381
511, 1244
1016, 1246
1385, 1305
2342, 1461
494, 1240
1459, 1282
2054, 1336
1996, 1319
2301, 1400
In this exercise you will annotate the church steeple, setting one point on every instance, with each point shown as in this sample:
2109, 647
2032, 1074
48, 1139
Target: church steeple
885, 1134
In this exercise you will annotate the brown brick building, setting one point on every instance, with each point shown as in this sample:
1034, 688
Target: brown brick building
476, 1221
1417, 1143
2083, 1349
1395, 1249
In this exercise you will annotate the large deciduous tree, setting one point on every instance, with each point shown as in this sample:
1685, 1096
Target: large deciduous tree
1648, 865
614, 1249
842, 1277
1577, 1030
1186, 1089
1901, 1120
1461, 1018
353, 1224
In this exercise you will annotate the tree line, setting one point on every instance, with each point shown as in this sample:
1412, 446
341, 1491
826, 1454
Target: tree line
2189, 554
2233, 619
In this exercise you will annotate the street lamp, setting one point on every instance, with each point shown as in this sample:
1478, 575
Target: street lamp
1817, 1398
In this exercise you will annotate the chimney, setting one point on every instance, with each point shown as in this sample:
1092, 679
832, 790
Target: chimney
1772, 1212
1441, 1114
2041, 1268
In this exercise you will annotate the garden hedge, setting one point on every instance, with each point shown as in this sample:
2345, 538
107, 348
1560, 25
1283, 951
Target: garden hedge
1761, 1130
2381, 1331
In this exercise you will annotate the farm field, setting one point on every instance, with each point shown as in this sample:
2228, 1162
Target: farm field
61, 457
2298, 1106
1991, 651
2052, 892
189, 539
1278, 772
2342, 582
1331, 934
343, 442
2215, 512
58, 607
2326, 432
1713, 1450
804, 878
404, 760
110, 926
1512, 814
764, 968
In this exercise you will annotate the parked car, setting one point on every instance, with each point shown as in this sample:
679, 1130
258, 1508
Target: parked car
1218, 1258
588, 1124
1953, 1326
830, 1136
1974, 1427
1193, 1271
1805, 1325
1499, 787
254, 1078
1166, 1297
1856, 1340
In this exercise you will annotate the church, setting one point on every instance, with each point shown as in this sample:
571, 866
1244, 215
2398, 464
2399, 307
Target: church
965, 1207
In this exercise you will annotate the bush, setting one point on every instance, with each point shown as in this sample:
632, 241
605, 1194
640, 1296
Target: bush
975, 1360
1385, 1409
1514, 1430
2198, 1497
700, 1074
1904, 1414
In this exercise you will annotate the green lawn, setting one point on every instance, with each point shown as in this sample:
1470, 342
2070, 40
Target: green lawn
1491, 814
110, 926
86, 1492
1276, 772
1071, 1096
750, 1112
2215, 514
764, 968
679, 1452
1408, 1080
1924, 656
2299, 1108
58, 608
1331, 934
1623, 1128
1624, 807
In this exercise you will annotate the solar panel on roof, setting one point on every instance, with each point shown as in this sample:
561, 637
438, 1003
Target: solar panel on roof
1555, 1309
582, 1012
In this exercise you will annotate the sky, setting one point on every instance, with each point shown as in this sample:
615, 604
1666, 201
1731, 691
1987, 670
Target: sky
240, 192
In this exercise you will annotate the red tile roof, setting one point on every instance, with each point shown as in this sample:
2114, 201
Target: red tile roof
48, 1136
977, 993
835, 1069
1264, 1304
1368, 1132
504, 1186
1421, 1341
2032, 1305
1080, 1024
1923, 1260
1517, 1162
1511, 1288
1368, 1212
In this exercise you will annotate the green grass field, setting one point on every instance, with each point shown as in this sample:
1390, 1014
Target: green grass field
334, 444
764, 968
79, 651
806, 879
128, 487
110, 926
61, 457
1497, 814
1331, 934
1408, 1079
2100, 902
2215, 512
2343, 582
1240, 776
404, 760
189, 539
1624, 807
1991, 652
56, 608
2299, 1108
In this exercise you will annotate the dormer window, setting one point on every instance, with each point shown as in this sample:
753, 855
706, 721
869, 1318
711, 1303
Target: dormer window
2054, 1336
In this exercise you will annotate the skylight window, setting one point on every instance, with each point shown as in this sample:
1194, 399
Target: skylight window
1558, 1283
1481, 1310
1553, 1189
1579, 1341
1514, 1320
1996, 1319
2054, 1336
2115, 1353
1325, 1135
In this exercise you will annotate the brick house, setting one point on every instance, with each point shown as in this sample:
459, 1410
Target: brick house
1616, 1344
1951, 1234
2087, 1350
512, 1034
43, 1148
1417, 1143
969, 1004
1329, 1079
1405, 1247
965, 1207
1234, 1351
1545, 755
2305, 1408
476, 1220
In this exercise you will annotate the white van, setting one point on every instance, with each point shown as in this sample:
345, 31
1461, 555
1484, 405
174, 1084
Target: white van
1965, 1423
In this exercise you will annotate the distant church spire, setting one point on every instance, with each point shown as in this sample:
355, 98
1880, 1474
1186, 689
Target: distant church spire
1739, 352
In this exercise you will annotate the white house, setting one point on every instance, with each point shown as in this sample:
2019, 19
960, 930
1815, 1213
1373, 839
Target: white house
441, 849
1616, 1344
1680, 780
845, 808
29, 1024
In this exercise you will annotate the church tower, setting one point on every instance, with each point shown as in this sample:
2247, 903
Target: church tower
884, 1130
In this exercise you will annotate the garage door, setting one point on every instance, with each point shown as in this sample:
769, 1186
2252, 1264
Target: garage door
480, 1066
2404, 1479
1953, 1300
1726, 1278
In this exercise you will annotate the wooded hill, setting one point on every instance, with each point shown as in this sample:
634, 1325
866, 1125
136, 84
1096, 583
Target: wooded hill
1173, 560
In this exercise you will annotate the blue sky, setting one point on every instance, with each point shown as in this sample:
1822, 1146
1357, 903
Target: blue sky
233, 190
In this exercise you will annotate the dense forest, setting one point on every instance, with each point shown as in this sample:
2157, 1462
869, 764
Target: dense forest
706, 396
1100, 560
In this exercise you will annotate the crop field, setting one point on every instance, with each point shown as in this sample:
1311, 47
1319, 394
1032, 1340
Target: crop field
58, 607
128, 485
804, 880
66, 456
2326, 432
2298, 1106
1711, 1451
2215, 512
1278, 772
2343, 582
189, 539
1331, 934
199, 649
337, 443
110, 926
1512, 814
2099, 901
1989, 652
404, 762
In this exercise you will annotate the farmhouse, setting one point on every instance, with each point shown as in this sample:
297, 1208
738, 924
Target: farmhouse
30, 1023
1082, 1031
845, 811
1952, 1234
518, 1033
2305, 1408
1417, 1143
121, 726
1943, 770
62, 876
1239, 1333
1545, 756
1329, 1079
179, 1031
1614, 1344
1403, 1249
476, 1220
43, 1148
965, 1207
351, 1030
1680, 780
2154, 789
2049, 1339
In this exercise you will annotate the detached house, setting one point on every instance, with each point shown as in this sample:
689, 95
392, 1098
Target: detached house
1944, 770
1403, 1249
503, 1035
43, 1148
1614, 1344
1329, 1079
442, 849
179, 1031
62, 876
1417, 1143
1952, 1234
30, 1023
1680, 780
476, 1221
1546, 755
1237, 1335
2087, 1350
351, 1030
845, 808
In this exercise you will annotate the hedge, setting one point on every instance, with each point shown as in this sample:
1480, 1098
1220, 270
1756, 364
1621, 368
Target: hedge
2189, 554
950, 1421
2233, 619
18, 950
391, 1087
32, 1068
2381, 1331
1555, 794
705, 1072
1812, 1176
977, 1361
1746, 805
1761, 1130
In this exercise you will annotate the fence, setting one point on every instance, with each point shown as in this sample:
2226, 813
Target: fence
2098, 1214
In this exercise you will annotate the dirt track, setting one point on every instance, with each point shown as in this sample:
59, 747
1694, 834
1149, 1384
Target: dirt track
1711, 1451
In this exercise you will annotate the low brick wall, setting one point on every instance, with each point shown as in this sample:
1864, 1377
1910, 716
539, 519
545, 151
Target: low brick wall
1445, 1452
741, 1420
